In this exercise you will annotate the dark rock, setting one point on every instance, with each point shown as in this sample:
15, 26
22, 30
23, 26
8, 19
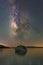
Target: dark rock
2, 46
20, 50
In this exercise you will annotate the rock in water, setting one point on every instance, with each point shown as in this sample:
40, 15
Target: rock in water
20, 50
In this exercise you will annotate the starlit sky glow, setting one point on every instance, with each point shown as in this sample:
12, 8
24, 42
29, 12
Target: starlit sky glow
21, 20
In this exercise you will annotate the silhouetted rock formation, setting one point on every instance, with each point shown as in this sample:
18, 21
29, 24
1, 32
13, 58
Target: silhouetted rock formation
20, 50
2, 46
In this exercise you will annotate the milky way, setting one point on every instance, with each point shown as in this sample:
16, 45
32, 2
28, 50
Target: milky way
13, 17
20, 23
22, 19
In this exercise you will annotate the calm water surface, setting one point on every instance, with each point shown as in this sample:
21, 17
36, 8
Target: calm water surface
34, 56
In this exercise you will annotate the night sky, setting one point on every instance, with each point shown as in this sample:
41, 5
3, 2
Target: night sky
34, 9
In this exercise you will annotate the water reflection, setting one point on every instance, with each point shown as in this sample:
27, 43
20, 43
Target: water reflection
34, 56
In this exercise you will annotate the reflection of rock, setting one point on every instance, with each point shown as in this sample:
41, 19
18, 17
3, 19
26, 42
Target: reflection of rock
20, 50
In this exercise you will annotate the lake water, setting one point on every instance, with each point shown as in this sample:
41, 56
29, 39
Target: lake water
34, 56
